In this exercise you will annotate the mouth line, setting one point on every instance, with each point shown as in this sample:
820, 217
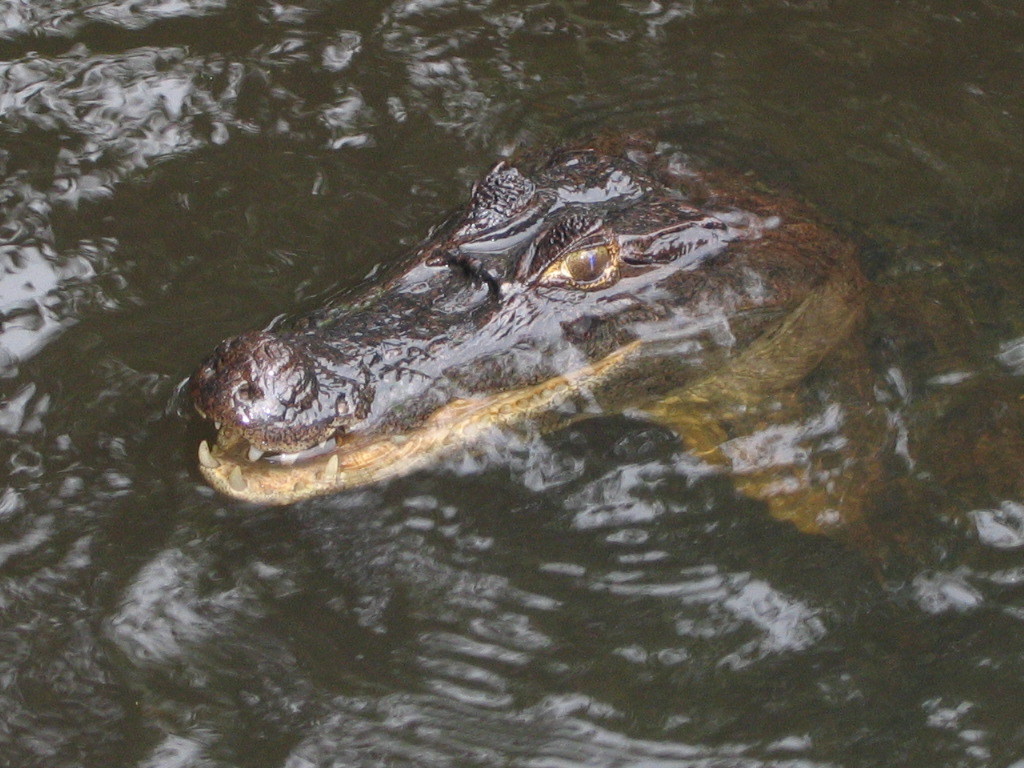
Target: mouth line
283, 478
357, 460
255, 454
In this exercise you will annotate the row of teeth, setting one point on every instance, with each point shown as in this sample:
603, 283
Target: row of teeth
255, 454
238, 481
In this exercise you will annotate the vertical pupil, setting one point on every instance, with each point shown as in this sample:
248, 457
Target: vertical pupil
587, 265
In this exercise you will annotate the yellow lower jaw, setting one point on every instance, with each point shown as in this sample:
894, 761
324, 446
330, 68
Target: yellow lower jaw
369, 460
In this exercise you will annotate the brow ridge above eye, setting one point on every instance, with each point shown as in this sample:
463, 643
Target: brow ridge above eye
568, 234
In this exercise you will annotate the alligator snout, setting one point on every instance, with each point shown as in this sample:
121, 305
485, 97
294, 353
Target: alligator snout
605, 287
267, 389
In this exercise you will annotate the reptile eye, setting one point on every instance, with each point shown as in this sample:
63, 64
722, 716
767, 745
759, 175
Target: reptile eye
587, 265
587, 268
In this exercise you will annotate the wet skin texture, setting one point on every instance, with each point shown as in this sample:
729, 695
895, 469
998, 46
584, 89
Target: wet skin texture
589, 280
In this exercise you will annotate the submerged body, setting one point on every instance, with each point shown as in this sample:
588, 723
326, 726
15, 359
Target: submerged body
589, 281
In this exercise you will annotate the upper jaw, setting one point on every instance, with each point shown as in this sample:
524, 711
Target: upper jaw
265, 394
285, 445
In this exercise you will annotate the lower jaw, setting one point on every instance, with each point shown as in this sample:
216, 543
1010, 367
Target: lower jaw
348, 466
360, 461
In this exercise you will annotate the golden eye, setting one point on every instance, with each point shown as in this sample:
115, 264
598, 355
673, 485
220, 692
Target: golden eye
587, 269
587, 265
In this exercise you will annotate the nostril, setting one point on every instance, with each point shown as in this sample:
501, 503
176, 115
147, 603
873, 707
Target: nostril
281, 392
248, 392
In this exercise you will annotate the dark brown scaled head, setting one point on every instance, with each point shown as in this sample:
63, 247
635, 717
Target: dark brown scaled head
550, 271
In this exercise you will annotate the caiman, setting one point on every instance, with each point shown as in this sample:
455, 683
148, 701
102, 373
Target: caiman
596, 279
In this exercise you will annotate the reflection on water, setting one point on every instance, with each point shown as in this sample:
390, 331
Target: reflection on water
174, 171
65, 18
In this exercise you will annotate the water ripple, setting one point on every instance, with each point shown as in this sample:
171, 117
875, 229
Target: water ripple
64, 17
558, 732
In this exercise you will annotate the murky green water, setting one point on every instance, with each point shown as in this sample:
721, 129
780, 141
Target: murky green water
176, 171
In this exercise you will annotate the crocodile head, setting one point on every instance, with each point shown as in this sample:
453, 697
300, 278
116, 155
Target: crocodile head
570, 284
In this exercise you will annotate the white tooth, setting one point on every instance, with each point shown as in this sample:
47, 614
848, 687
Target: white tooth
236, 481
206, 458
217, 425
332, 466
255, 454
287, 458
322, 444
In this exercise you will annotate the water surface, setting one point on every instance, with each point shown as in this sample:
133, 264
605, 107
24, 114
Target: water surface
176, 171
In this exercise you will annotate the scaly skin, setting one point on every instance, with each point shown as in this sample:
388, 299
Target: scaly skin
593, 277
